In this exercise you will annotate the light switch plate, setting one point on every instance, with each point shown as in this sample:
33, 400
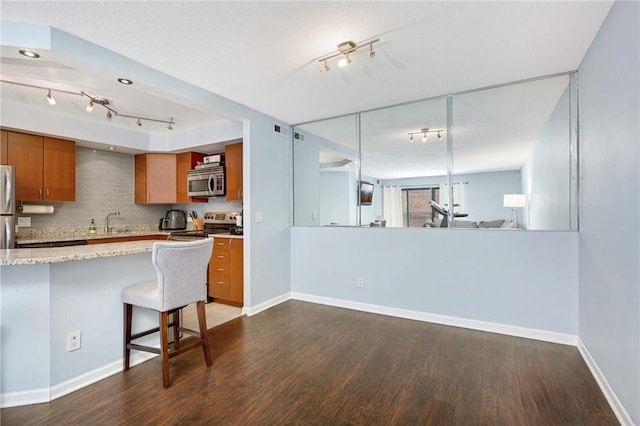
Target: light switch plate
258, 217
24, 221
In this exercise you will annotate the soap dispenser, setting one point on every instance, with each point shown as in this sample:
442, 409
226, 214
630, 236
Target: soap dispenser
92, 227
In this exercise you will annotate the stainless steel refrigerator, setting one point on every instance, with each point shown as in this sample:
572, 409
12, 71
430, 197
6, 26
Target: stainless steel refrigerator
7, 207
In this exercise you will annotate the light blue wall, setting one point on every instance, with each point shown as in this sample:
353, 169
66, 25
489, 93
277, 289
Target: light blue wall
609, 245
545, 174
524, 279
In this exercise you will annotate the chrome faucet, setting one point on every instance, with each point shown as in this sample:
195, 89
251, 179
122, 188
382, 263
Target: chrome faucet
107, 228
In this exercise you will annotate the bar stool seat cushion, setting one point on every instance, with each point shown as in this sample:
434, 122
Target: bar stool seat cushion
145, 295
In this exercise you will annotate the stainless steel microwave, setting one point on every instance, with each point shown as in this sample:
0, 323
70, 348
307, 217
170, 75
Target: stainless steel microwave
206, 182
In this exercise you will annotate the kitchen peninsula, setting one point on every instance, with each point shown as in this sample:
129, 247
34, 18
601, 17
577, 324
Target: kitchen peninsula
46, 293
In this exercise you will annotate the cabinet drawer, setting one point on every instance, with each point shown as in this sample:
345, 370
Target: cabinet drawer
220, 257
221, 244
219, 287
219, 268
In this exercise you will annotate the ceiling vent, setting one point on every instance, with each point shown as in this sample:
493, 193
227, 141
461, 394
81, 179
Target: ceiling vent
281, 130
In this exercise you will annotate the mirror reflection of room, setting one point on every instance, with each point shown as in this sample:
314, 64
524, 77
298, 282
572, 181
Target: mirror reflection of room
505, 162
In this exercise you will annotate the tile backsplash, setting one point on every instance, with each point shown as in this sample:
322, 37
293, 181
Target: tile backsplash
104, 184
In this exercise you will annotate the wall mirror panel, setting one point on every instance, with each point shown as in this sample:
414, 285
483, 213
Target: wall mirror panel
497, 158
511, 156
404, 150
325, 170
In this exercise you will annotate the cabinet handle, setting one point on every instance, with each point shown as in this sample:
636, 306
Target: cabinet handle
39, 193
220, 244
219, 269
47, 192
148, 198
219, 282
220, 257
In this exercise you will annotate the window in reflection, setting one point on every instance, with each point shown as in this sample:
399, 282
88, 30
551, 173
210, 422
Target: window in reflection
416, 207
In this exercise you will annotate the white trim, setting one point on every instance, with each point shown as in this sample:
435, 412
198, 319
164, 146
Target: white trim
90, 377
616, 405
252, 310
510, 330
16, 399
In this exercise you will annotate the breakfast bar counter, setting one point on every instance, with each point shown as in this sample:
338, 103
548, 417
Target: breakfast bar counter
48, 293
32, 256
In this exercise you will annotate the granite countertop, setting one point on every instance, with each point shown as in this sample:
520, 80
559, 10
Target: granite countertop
33, 256
45, 235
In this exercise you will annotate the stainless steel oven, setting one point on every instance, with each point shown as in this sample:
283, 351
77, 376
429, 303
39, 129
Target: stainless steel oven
206, 182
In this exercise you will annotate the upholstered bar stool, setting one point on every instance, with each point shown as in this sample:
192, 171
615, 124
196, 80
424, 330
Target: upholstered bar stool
182, 280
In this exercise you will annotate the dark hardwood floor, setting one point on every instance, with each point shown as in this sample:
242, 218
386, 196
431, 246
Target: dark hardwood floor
302, 363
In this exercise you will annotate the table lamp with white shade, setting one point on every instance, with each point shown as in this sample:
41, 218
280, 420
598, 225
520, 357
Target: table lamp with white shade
514, 202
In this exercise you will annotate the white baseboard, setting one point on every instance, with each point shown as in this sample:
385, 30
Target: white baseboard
16, 399
616, 405
38, 396
90, 377
252, 310
510, 330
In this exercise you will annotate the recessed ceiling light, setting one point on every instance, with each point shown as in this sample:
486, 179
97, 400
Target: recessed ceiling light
29, 53
125, 81
112, 148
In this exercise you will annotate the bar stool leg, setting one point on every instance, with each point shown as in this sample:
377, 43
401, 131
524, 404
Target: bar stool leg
176, 328
164, 348
127, 335
202, 322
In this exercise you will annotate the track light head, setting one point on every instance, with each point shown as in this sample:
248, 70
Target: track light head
343, 62
324, 68
371, 52
139, 123
109, 115
50, 98
90, 106
410, 137
439, 134
424, 137
170, 126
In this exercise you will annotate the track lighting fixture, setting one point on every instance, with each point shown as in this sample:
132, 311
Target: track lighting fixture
50, 98
93, 101
424, 133
345, 49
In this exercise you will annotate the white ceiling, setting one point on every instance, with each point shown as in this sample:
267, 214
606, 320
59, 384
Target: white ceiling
264, 54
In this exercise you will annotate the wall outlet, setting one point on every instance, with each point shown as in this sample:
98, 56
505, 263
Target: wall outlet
360, 282
24, 221
74, 340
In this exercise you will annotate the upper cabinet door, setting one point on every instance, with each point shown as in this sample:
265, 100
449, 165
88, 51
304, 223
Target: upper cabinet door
155, 181
25, 152
59, 170
3, 148
233, 163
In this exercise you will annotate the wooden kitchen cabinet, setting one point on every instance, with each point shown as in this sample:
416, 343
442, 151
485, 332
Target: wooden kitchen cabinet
155, 180
45, 167
233, 164
3, 147
225, 277
185, 162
